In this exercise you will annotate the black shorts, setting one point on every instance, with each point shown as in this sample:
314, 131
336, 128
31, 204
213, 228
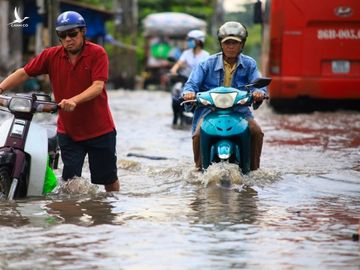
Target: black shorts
101, 153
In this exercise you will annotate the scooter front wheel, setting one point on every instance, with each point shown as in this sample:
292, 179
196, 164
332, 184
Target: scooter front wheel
5, 182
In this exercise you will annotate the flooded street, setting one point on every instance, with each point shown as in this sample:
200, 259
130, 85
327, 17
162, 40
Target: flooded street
299, 211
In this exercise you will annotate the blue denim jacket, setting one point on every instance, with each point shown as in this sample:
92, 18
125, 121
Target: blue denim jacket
210, 74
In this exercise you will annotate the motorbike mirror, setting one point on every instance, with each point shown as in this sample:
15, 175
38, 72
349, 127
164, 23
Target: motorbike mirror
260, 82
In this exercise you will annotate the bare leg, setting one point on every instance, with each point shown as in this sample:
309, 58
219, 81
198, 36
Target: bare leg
196, 151
113, 187
196, 146
256, 144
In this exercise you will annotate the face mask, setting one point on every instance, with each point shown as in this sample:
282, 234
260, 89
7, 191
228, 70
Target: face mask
191, 44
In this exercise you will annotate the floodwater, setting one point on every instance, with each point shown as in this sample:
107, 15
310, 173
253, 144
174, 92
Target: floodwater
299, 211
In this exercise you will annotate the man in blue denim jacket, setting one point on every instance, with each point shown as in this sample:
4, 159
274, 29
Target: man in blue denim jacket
227, 68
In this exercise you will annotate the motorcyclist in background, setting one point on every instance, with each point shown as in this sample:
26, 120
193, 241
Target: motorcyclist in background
193, 55
227, 68
182, 69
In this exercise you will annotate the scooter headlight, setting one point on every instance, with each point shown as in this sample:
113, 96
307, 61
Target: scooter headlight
223, 101
20, 104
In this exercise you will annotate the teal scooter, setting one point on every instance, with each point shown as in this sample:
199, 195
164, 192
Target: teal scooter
224, 134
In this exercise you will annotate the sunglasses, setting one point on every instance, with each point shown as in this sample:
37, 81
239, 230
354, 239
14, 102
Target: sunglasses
70, 34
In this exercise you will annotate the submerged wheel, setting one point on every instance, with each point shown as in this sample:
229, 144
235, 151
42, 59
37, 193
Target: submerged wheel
5, 182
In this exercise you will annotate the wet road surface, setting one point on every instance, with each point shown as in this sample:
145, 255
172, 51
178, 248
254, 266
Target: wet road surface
299, 211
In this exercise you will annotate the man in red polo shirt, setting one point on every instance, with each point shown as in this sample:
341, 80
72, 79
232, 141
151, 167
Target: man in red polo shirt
78, 70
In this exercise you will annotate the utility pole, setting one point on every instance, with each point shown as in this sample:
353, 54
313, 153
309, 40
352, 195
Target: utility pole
218, 17
123, 62
53, 8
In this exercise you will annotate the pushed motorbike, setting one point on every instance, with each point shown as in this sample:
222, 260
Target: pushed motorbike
224, 133
28, 151
180, 115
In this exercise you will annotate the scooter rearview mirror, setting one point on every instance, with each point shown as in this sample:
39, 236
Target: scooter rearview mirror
261, 82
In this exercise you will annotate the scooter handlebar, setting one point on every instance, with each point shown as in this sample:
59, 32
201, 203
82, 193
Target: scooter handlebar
36, 105
194, 100
49, 107
186, 101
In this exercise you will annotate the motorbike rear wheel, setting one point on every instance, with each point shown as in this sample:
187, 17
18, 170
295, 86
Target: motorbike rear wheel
5, 182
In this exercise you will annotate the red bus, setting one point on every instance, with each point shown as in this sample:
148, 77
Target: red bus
311, 50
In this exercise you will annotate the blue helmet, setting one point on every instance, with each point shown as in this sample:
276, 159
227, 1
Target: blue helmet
68, 20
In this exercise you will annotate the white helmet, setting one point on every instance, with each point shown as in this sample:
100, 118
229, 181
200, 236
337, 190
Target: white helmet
197, 35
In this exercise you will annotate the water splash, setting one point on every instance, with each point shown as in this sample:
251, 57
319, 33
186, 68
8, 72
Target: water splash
219, 173
129, 165
76, 185
169, 172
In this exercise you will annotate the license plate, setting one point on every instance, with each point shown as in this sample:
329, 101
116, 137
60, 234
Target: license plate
340, 67
17, 130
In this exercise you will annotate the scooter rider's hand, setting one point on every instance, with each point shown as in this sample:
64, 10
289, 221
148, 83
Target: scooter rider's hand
173, 71
258, 96
189, 96
67, 105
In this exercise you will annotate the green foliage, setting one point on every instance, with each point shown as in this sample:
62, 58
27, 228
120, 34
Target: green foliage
253, 43
212, 45
105, 4
254, 37
110, 28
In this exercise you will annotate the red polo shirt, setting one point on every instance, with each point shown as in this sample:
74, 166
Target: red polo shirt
89, 119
